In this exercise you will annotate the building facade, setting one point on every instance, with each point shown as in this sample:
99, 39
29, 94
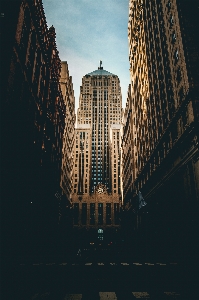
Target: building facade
162, 118
97, 182
69, 132
163, 103
128, 170
33, 121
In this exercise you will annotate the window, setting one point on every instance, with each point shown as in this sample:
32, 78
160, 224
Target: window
108, 214
116, 213
179, 74
76, 213
100, 234
84, 213
169, 5
173, 37
171, 21
92, 214
100, 214
176, 57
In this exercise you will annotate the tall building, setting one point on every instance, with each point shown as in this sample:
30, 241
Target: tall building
33, 120
162, 119
96, 180
69, 132
163, 102
128, 171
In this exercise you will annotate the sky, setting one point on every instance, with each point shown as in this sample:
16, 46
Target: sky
88, 31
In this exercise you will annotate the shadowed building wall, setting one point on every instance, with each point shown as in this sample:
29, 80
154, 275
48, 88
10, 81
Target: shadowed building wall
32, 118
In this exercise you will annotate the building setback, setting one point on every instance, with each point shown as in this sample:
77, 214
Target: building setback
96, 181
33, 119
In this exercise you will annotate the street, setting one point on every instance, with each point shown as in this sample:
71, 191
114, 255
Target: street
86, 278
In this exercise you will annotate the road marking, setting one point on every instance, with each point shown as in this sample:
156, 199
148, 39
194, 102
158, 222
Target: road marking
88, 264
107, 296
41, 296
73, 297
141, 295
171, 294
101, 264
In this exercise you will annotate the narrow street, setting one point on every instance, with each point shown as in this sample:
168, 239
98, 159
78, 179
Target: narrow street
92, 278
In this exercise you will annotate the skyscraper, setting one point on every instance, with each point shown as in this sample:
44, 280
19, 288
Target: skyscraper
163, 110
33, 120
69, 132
161, 120
97, 183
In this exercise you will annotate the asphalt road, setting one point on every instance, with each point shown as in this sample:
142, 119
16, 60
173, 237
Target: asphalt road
91, 276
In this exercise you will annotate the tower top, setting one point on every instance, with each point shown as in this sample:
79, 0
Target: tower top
100, 72
100, 67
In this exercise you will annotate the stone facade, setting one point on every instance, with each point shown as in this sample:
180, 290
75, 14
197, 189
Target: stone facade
128, 170
33, 119
164, 114
96, 182
99, 210
69, 132
161, 120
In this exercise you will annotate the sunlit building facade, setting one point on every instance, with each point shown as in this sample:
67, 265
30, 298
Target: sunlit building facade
69, 132
128, 170
162, 108
97, 152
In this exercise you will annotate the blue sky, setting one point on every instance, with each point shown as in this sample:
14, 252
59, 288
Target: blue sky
88, 31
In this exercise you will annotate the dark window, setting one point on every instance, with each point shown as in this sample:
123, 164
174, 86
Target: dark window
116, 213
179, 74
100, 214
92, 214
84, 213
100, 234
76, 213
173, 37
108, 214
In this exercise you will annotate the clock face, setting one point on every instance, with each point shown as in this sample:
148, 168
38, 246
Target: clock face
100, 190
